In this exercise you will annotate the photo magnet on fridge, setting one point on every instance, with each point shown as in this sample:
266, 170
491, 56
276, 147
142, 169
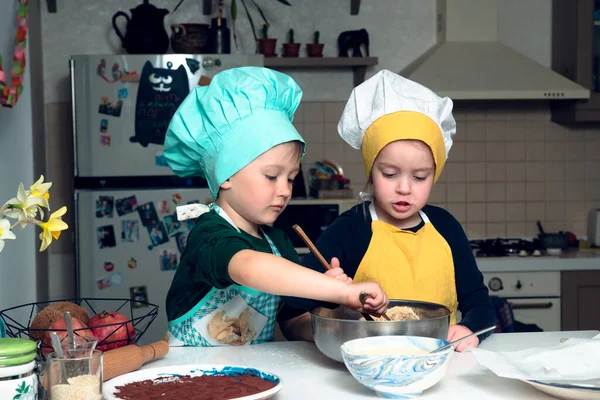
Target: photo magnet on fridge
172, 224
126, 205
105, 141
158, 234
168, 260
164, 207
103, 126
137, 294
110, 107
106, 236
103, 283
160, 92
181, 239
130, 231
148, 214
104, 206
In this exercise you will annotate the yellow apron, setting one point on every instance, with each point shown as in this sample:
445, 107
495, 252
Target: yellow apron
410, 265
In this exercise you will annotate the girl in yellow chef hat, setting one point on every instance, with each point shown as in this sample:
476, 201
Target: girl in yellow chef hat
413, 250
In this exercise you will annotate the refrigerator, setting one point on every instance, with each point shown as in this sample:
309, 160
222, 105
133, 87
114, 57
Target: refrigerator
127, 238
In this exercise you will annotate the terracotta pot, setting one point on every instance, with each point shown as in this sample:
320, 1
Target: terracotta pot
314, 49
291, 49
267, 47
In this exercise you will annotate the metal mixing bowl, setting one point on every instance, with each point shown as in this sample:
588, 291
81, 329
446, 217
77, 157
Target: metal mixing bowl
332, 328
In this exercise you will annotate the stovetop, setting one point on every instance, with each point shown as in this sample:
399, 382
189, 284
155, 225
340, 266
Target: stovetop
501, 247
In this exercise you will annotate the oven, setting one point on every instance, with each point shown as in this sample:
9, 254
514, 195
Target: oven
533, 296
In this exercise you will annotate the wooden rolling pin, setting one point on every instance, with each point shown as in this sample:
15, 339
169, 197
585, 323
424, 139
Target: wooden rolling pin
131, 358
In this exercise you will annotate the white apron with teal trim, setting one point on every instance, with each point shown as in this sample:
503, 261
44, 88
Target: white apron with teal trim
236, 315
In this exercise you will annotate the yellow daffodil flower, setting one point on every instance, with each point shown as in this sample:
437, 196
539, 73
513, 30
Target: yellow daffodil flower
22, 206
5, 232
40, 190
52, 227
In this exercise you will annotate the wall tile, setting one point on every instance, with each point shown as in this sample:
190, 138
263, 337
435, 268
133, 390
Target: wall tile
476, 212
515, 212
456, 192
476, 192
495, 191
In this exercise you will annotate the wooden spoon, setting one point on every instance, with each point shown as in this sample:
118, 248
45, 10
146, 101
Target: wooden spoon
325, 264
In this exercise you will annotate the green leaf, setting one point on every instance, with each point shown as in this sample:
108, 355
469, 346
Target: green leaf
250, 20
261, 14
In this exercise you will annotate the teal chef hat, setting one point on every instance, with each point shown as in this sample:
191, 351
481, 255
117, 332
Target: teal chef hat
220, 128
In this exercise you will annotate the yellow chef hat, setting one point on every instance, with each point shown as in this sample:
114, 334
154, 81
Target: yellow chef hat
388, 107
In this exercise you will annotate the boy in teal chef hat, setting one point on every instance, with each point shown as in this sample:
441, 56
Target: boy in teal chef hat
237, 133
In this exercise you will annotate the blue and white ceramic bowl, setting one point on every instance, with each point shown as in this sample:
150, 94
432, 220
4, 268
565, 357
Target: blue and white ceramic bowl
396, 367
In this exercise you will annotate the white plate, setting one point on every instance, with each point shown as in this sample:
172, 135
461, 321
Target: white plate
568, 391
109, 388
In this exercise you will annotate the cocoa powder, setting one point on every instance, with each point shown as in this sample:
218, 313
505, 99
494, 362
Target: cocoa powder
195, 388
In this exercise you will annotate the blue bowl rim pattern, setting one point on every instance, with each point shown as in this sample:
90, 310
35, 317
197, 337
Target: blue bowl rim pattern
346, 351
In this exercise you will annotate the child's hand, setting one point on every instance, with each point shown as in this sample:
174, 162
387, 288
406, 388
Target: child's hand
376, 303
336, 272
456, 332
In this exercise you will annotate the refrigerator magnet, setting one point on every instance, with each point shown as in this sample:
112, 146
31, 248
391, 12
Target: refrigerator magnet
103, 282
164, 207
148, 214
126, 205
106, 237
110, 107
160, 160
105, 141
137, 294
103, 125
130, 77
116, 279
192, 64
158, 234
160, 92
108, 266
123, 93
115, 73
130, 231
172, 224
181, 239
132, 263
168, 260
176, 198
104, 206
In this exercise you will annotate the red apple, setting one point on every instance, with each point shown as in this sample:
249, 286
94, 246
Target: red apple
112, 329
60, 327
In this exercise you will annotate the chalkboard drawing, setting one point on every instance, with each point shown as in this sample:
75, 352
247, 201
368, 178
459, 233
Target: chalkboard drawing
160, 92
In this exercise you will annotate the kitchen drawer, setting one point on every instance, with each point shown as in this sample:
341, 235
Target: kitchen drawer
523, 284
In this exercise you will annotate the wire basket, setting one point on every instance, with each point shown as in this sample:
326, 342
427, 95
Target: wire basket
18, 320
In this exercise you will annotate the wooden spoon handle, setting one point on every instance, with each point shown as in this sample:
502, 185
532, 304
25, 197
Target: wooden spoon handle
312, 247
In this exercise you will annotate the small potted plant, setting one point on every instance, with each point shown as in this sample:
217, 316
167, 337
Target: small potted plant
291, 49
315, 49
266, 45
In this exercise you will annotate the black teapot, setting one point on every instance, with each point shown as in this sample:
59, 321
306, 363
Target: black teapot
145, 31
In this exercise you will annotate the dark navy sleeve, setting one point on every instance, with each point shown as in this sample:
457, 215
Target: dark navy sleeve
347, 238
473, 298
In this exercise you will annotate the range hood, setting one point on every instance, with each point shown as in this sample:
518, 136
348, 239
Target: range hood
468, 61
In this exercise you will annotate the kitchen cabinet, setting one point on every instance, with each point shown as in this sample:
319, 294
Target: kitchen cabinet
580, 297
576, 55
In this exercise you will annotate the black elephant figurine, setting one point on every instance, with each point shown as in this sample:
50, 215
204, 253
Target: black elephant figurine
353, 40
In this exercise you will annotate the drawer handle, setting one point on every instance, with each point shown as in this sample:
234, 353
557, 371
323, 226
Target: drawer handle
531, 306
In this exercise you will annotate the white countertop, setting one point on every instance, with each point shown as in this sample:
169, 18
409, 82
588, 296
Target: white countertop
581, 260
307, 374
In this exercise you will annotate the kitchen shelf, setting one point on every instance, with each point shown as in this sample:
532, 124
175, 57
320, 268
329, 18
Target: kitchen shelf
358, 64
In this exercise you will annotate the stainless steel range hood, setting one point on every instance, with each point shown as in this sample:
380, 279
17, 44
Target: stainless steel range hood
469, 63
